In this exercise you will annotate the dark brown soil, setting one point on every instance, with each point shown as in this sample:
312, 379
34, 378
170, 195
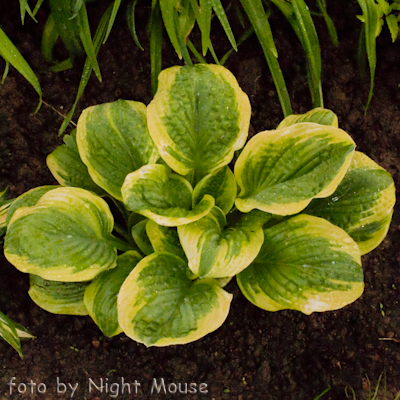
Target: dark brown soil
255, 354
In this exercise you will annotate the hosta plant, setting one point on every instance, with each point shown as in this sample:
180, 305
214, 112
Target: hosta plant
150, 221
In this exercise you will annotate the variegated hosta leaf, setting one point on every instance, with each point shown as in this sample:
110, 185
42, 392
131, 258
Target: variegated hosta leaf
362, 204
4, 207
140, 237
113, 141
164, 239
67, 167
3, 218
158, 304
102, 293
305, 264
28, 199
12, 332
198, 118
217, 251
162, 196
58, 297
318, 115
221, 185
281, 171
66, 236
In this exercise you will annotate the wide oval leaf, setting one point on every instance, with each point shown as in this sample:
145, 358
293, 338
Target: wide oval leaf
113, 141
362, 205
221, 185
319, 115
158, 304
164, 197
164, 239
102, 293
67, 167
215, 250
58, 297
140, 237
28, 199
65, 237
305, 264
281, 171
198, 118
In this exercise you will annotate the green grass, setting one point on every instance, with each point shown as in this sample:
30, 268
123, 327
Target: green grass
372, 392
174, 20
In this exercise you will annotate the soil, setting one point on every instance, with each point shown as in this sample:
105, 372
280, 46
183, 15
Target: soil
255, 354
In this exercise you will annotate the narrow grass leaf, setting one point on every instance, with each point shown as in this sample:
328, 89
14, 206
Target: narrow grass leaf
219, 11
5, 73
329, 23
84, 33
193, 49
258, 18
37, 7
204, 23
77, 8
24, 8
242, 38
49, 38
111, 21
168, 12
11, 55
87, 69
68, 28
299, 17
393, 26
384, 5
156, 36
130, 17
371, 25
322, 393
62, 66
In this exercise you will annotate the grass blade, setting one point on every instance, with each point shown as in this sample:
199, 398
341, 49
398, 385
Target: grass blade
393, 26
220, 13
322, 393
77, 7
203, 17
114, 12
258, 18
11, 55
87, 69
204, 22
130, 17
84, 33
309, 40
329, 23
49, 38
242, 38
193, 49
37, 7
156, 37
24, 8
62, 66
67, 28
168, 12
299, 17
5, 73
352, 392
371, 28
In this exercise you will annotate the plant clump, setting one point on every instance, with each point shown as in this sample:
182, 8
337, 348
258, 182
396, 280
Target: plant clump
150, 223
